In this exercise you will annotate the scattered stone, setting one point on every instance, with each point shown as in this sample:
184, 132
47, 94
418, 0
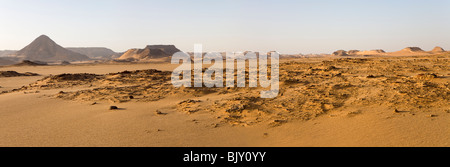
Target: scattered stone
280, 121
277, 122
396, 111
65, 63
160, 113
432, 116
371, 76
113, 108
193, 111
354, 113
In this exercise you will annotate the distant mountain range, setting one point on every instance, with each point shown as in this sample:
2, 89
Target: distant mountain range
44, 49
4, 61
91, 52
4, 53
409, 51
96, 52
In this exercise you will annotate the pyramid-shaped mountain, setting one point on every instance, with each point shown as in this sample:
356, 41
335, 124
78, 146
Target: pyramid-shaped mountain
45, 49
438, 49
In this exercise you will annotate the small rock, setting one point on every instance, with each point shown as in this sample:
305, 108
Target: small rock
94, 103
113, 108
160, 113
332, 116
370, 76
280, 121
131, 97
396, 111
216, 125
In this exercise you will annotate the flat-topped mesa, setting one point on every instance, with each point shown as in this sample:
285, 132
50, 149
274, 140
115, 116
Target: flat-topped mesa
150, 52
438, 49
168, 49
413, 49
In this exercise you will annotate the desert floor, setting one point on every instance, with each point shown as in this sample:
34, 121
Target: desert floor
371, 112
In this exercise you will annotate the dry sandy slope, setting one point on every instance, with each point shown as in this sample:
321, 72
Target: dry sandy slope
32, 120
39, 119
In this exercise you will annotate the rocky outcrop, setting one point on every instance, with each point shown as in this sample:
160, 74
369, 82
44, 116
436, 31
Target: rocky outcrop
413, 49
150, 52
31, 63
340, 53
16, 74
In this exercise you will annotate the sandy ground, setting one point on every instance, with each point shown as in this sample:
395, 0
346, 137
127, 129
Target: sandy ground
36, 117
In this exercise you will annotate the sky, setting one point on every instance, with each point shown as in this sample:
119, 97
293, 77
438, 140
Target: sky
287, 26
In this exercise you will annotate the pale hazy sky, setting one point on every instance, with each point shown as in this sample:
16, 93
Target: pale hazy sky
288, 26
